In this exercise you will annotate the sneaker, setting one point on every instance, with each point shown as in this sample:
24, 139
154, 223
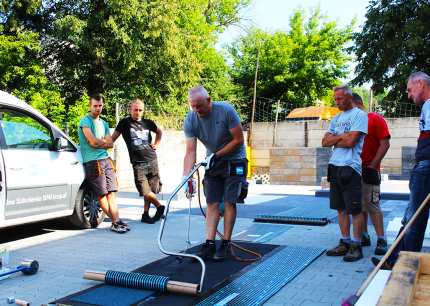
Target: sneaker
385, 265
340, 250
159, 213
365, 240
354, 253
117, 228
147, 219
224, 251
207, 250
123, 224
381, 247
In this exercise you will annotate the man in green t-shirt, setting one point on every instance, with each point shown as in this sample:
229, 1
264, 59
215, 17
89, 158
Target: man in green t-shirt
95, 139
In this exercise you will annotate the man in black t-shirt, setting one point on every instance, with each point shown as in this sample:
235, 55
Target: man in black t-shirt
136, 132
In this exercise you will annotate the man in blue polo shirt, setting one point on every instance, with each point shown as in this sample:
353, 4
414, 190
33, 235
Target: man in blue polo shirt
346, 134
418, 88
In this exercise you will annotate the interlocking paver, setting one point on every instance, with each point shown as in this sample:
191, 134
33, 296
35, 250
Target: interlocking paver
65, 254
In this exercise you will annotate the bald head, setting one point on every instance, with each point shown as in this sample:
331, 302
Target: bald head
199, 101
418, 87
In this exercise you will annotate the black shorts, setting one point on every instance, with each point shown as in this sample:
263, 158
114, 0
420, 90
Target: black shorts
224, 181
345, 189
147, 178
100, 176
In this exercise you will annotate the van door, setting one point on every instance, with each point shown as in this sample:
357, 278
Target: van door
2, 189
36, 180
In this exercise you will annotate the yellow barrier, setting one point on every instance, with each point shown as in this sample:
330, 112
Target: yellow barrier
248, 156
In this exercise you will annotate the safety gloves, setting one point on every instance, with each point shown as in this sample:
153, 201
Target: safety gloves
189, 187
210, 161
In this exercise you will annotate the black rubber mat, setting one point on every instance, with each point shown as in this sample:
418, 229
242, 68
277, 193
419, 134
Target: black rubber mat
218, 274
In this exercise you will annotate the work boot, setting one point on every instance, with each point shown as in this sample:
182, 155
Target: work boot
340, 250
207, 250
354, 253
159, 213
365, 240
146, 218
381, 247
224, 251
385, 265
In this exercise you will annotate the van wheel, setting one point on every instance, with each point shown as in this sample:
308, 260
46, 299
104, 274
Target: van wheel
87, 213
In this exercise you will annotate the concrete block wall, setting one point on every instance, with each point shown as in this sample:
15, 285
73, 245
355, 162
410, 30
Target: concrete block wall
404, 133
298, 166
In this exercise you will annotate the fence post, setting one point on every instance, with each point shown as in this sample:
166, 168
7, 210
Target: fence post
115, 147
275, 128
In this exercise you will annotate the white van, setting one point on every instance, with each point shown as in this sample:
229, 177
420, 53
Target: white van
41, 171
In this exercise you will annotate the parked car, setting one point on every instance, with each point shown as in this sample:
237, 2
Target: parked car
41, 171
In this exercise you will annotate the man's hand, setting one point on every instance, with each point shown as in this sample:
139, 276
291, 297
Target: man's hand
189, 187
153, 146
210, 161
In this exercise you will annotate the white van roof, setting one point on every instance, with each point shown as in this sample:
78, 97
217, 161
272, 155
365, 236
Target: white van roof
6, 98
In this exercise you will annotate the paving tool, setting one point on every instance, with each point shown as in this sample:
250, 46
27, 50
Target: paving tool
12, 300
185, 180
27, 267
155, 282
352, 300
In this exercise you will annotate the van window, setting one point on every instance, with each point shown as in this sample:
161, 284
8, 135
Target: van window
24, 132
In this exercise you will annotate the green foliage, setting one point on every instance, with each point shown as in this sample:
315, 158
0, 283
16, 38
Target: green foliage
298, 66
154, 50
21, 74
75, 112
393, 43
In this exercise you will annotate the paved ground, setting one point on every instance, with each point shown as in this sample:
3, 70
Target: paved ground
64, 253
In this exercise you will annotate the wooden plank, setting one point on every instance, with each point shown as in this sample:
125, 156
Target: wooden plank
422, 292
400, 288
425, 263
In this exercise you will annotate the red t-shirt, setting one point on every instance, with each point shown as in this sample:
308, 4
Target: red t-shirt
377, 130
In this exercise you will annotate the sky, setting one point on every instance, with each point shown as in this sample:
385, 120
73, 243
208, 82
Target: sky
272, 15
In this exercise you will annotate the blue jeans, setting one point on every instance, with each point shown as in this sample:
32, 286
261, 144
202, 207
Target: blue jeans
419, 186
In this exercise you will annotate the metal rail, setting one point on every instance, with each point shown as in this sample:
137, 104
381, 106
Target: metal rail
164, 219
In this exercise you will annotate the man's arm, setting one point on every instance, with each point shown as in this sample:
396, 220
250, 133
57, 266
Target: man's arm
104, 143
237, 134
158, 135
349, 139
115, 135
329, 140
384, 145
190, 154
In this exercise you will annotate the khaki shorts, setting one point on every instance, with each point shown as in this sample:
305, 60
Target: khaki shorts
370, 196
147, 178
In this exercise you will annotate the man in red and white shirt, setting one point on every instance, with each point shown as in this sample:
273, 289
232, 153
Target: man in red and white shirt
376, 145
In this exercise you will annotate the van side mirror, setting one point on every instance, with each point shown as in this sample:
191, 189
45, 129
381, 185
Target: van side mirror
60, 144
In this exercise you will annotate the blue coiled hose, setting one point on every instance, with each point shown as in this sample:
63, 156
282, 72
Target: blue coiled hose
137, 280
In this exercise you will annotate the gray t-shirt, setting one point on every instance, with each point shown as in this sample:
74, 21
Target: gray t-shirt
214, 130
349, 121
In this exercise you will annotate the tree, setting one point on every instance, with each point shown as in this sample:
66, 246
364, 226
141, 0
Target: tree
393, 43
152, 49
21, 74
298, 66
